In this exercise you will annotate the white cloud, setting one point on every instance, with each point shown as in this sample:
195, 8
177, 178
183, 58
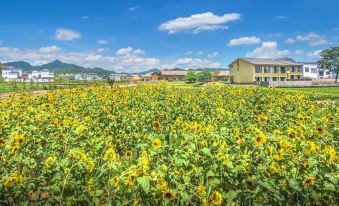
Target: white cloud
299, 52
290, 41
50, 49
209, 28
134, 8
244, 41
315, 54
85, 17
213, 55
198, 22
186, 63
101, 50
281, 17
188, 53
124, 60
102, 41
200, 53
67, 35
312, 39
129, 51
268, 50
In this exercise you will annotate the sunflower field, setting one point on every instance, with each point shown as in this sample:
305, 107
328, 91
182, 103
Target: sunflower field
159, 145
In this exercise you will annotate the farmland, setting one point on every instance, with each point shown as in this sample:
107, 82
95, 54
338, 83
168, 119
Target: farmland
165, 144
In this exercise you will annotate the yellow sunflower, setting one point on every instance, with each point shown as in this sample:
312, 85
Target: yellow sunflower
156, 144
216, 198
260, 140
309, 181
156, 124
169, 195
129, 154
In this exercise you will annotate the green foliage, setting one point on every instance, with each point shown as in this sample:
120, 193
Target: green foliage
159, 145
330, 60
205, 76
191, 76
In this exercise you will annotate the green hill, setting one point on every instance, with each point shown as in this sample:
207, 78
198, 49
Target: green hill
58, 67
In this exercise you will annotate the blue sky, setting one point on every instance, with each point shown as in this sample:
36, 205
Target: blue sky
138, 35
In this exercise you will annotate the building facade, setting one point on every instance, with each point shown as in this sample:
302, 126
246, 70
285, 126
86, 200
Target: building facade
221, 76
151, 76
11, 73
245, 70
311, 70
173, 75
116, 76
41, 76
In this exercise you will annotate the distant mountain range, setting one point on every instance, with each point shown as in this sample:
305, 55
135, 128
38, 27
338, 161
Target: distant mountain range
58, 67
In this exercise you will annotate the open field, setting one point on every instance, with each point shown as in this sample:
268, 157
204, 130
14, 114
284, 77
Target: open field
160, 145
315, 93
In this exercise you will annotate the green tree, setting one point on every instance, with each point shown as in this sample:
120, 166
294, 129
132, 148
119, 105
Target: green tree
191, 76
330, 60
205, 76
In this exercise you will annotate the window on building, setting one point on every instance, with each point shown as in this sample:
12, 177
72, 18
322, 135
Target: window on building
293, 69
275, 69
275, 79
300, 69
314, 70
258, 69
298, 76
282, 78
307, 69
283, 70
266, 79
291, 76
257, 79
327, 73
267, 69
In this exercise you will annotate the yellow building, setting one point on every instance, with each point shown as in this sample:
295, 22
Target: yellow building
255, 69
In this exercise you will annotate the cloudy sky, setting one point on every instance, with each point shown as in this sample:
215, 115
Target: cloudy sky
135, 35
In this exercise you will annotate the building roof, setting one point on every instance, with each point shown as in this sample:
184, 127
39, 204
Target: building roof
307, 62
221, 73
149, 74
279, 61
174, 72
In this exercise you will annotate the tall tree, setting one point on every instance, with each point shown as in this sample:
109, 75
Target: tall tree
191, 76
330, 60
205, 76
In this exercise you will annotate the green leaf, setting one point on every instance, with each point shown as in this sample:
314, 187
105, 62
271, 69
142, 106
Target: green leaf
215, 182
144, 183
210, 173
267, 185
295, 185
230, 196
331, 178
186, 179
329, 187
206, 151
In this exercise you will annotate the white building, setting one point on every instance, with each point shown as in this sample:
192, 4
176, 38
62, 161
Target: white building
87, 77
116, 76
325, 74
41, 76
310, 70
11, 73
